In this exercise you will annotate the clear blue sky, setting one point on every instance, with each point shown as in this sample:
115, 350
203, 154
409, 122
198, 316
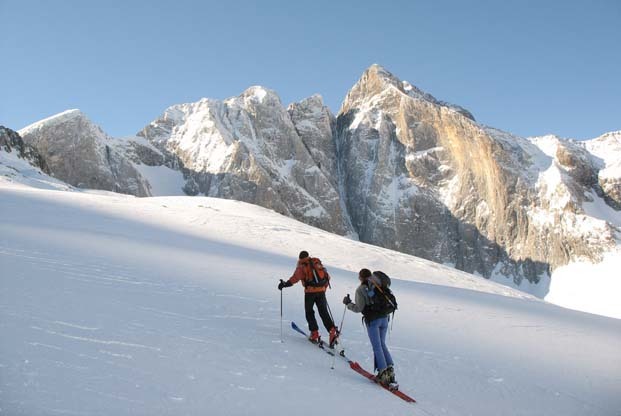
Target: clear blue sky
528, 67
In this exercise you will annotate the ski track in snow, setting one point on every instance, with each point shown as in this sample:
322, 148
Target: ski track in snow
107, 325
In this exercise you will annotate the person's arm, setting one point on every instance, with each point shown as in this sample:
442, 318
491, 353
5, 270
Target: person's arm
360, 302
298, 275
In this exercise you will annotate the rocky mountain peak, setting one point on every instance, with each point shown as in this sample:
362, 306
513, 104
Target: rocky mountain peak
376, 79
79, 153
379, 73
610, 141
250, 148
312, 106
315, 101
68, 116
260, 95
378, 84
373, 82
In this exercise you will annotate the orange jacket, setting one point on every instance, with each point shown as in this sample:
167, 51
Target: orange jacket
303, 272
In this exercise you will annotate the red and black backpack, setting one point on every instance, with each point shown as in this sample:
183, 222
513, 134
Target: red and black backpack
316, 274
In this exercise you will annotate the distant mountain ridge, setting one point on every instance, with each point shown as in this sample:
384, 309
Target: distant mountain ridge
395, 167
81, 154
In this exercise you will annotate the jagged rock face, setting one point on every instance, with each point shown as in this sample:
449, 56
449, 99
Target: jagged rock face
141, 152
423, 177
316, 125
81, 154
606, 156
407, 163
250, 148
11, 141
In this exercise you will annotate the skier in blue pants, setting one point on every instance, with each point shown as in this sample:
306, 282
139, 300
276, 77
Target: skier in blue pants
376, 323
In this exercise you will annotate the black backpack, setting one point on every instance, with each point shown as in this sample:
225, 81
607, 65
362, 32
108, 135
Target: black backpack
383, 301
383, 278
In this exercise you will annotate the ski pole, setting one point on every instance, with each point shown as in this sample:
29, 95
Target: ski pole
281, 340
329, 311
343, 318
340, 332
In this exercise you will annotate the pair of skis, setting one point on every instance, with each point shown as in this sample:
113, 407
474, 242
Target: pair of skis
354, 365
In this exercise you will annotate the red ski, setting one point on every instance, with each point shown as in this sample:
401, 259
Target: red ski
356, 367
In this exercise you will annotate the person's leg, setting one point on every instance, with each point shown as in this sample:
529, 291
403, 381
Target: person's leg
373, 330
383, 328
309, 301
324, 313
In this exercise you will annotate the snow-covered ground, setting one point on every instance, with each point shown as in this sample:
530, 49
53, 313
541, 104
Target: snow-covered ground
15, 170
114, 305
163, 180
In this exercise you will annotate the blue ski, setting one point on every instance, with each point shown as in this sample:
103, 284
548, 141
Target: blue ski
321, 344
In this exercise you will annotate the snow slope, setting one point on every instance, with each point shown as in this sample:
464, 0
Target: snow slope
162, 179
16, 170
115, 305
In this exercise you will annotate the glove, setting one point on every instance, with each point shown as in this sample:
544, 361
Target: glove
347, 300
284, 284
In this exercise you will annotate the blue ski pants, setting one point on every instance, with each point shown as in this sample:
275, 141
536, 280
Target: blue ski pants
377, 329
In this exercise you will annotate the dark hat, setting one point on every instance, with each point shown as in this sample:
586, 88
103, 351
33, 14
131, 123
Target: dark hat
303, 254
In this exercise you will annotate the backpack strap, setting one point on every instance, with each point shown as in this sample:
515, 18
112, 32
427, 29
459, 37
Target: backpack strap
383, 294
313, 270
314, 273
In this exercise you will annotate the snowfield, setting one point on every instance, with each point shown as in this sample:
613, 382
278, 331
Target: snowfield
115, 305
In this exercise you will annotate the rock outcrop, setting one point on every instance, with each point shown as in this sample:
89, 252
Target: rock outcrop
11, 141
606, 155
79, 153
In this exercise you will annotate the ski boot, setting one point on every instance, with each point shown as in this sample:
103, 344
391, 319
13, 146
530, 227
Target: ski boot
314, 337
392, 385
383, 377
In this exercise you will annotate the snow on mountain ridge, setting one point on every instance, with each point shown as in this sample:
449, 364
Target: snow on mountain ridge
607, 148
59, 118
205, 134
552, 180
258, 93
